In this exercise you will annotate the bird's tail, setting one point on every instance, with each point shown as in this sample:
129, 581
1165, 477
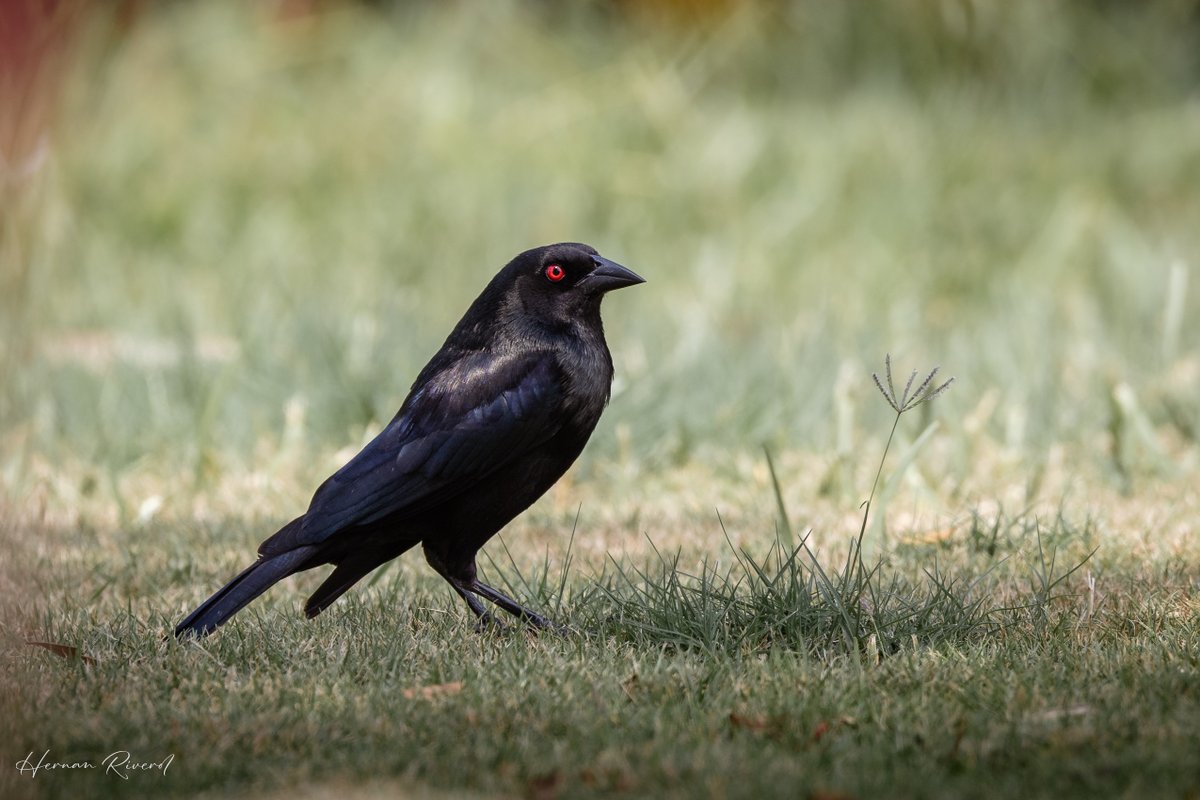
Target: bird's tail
237, 594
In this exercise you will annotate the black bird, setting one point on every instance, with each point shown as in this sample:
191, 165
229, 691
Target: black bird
491, 422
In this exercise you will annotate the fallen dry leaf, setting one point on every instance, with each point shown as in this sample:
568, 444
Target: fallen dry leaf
629, 686
749, 723
435, 690
64, 650
929, 537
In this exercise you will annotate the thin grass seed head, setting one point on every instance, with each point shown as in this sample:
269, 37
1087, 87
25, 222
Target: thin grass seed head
887, 363
886, 395
908, 400
928, 391
921, 396
907, 388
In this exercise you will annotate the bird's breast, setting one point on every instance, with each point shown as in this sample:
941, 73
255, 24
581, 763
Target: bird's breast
589, 374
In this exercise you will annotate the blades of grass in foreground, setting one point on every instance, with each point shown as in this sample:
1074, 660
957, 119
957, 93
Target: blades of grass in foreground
791, 603
797, 603
784, 522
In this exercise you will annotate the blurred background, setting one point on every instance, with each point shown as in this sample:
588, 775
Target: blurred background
232, 233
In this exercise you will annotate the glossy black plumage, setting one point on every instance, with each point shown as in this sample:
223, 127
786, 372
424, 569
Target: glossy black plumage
491, 422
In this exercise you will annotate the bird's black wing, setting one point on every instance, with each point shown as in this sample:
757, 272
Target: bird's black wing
467, 421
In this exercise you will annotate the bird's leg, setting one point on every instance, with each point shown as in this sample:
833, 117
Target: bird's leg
513, 607
484, 619
463, 578
472, 602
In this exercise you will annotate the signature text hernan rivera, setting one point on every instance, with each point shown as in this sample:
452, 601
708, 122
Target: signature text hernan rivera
120, 764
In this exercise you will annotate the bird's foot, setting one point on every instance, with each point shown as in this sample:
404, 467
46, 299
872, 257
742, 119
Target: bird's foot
488, 623
531, 618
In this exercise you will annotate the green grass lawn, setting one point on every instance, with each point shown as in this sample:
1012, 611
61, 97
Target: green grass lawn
255, 228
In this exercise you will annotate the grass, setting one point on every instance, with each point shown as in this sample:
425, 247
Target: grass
745, 680
254, 228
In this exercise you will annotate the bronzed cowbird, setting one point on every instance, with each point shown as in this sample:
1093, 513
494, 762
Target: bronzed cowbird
491, 422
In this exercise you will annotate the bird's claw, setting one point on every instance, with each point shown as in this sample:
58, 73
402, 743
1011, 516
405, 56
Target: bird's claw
488, 623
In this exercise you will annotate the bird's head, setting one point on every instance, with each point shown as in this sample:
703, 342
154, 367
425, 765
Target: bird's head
563, 283
558, 286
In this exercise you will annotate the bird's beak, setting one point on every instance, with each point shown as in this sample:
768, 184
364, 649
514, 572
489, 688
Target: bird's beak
609, 275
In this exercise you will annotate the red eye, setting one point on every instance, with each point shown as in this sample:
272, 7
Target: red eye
555, 273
